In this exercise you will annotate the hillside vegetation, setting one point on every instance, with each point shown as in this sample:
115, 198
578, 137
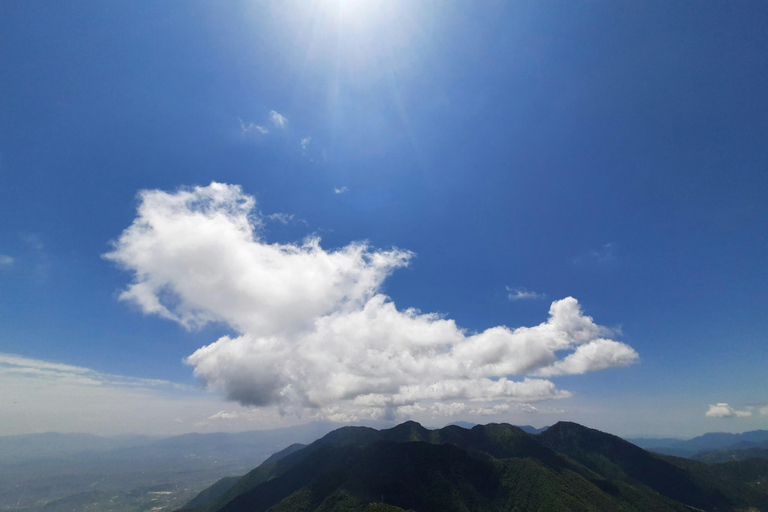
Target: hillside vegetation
492, 467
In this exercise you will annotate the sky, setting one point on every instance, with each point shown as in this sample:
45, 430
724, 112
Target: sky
226, 216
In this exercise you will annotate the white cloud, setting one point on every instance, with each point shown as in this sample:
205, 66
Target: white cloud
411, 410
723, 410
606, 256
336, 414
491, 411
252, 128
202, 247
282, 218
523, 294
305, 142
452, 409
277, 119
341, 190
313, 329
5, 261
223, 415
505, 408
594, 355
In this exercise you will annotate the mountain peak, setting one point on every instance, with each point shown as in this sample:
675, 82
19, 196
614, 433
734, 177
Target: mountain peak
410, 423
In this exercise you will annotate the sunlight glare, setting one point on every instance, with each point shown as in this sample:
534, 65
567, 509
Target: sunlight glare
360, 13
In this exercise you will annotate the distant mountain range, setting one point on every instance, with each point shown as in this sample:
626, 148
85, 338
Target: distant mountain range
63, 472
701, 447
486, 468
49, 445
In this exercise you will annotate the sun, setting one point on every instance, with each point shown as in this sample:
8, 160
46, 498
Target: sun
361, 13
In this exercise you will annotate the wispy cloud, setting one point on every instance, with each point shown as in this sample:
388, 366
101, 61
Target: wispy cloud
278, 119
38, 261
252, 128
605, 253
523, 294
5, 261
723, 410
282, 218
314, 329
223, 415
40, 396
305, 142
605, 256
57, 372
342, 190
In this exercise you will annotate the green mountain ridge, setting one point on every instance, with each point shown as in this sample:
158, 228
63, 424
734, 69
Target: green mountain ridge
486, 468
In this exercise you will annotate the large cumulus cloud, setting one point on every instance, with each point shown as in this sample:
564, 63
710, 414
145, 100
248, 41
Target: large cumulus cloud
312, 329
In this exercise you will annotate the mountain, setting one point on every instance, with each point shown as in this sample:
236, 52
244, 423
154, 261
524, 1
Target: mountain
617, 459
743, 482
485, 468
720, 456
715, 441
532, 430
213, 492
464, 424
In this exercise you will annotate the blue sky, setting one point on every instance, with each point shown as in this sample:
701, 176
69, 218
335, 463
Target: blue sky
496, 159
